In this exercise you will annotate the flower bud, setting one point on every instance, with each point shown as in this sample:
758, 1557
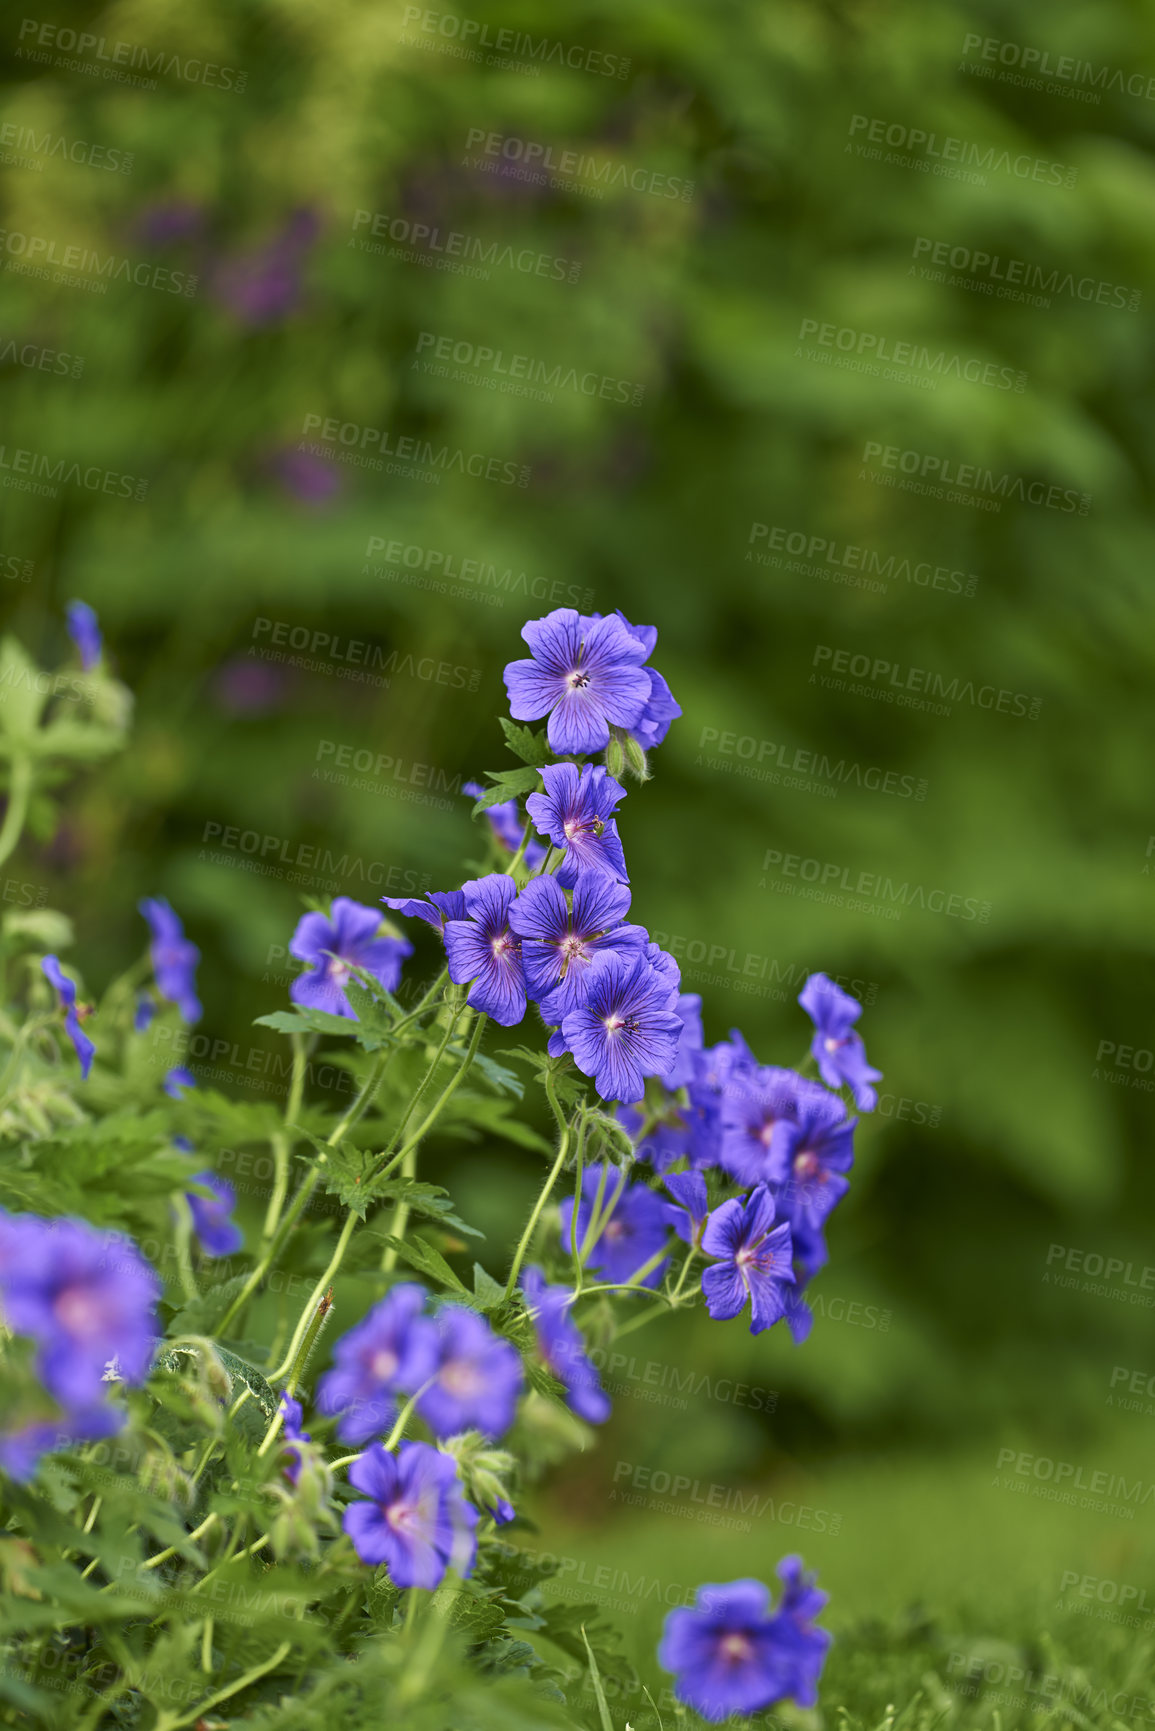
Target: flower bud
615, 758
636, 759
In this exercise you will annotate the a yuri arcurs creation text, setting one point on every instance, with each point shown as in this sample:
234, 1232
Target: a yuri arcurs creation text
275, 1474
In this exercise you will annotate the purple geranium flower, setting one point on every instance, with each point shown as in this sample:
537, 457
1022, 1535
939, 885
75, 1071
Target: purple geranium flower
348, 938
689, 1011
585, 674
627, 1029
756, 1109
576, 813
818, 1145
176, 1080
88, 1299
84, 630
174, 958
558, 942
22, 1447
477, 1380
417, 1521
294, 1436
837, 1046
145, 1012
732, 1656
84, 1047
436, 909
689, 1218
218, 1233
661, 1129
755, 1261
634, 1226
508, 826
483, 950
660, 708
562, 1348
392, 1351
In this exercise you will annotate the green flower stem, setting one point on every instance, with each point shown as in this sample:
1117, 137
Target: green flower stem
599, 1216
154, 1562
401, 1211
634, 1283
418, 1673
543, 1197
304, 1192
171, 1722
579, 1174
311, 1322
183, 1237
427, 1079
19, 788
659, 1309
282, 1142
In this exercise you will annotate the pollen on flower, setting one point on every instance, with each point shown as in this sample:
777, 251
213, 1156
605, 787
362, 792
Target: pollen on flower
735, 1647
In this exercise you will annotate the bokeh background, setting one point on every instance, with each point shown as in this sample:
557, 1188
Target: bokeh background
244, 237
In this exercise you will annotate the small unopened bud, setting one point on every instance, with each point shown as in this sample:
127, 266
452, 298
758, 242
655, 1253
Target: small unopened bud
636, 759
615, 755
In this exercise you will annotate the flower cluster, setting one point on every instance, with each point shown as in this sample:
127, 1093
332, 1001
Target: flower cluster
87, 1300
731, 1654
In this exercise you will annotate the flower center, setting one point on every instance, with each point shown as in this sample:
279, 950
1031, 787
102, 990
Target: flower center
384, 1364
578, 679
766, 1133
735, 1648
502, 944
805, 1166
613, 1024
400, 1516
832, 1045
338, 970
461, 1379
78, 1312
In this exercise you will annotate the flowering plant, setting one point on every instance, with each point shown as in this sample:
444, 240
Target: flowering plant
178, 1547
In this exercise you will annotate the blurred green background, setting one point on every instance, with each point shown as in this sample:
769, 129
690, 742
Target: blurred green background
721, 214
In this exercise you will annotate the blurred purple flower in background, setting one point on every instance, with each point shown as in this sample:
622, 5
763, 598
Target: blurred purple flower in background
263, 285
348, 938
84, 1047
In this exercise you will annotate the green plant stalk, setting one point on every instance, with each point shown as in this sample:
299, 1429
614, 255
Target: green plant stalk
183, 1237
304, 1192
401, 1212
579, 1174
544, 1194
171, 1722
19, 789
282, 1142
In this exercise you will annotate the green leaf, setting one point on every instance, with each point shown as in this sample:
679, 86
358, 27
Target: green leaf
531, 747
306, 1022
502, 1080
488, 1293
20, 702
420, 1254
596, 1680
200, 1315
506, 784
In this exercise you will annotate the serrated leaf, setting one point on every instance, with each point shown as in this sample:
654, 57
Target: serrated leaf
420, 1254
531, 747
498, 1076
488, 1292
506, 784
306, 1022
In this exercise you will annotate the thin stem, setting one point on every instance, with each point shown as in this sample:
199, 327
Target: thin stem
183, 1238
282, 1143
579, 1176
167, 1722
406, 1154
316, 1309
399, 1427
544, 1195
19, 788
